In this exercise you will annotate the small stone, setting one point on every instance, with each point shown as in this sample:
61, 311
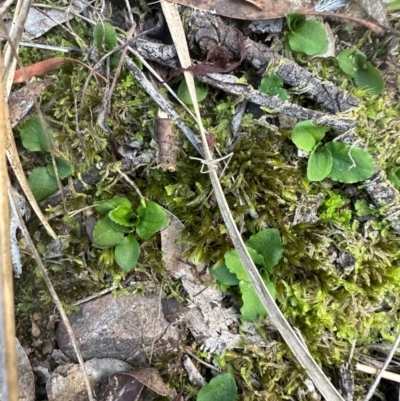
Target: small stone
35, 331
67, 383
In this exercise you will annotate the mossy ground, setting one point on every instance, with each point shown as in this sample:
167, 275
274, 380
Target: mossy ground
331, 308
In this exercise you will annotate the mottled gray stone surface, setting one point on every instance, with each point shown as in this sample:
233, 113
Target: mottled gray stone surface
26, 380
66, 382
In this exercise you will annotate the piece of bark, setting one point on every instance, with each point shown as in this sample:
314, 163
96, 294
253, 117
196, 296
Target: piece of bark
156, 51
209, 30
166, 140
346, 382
228, 83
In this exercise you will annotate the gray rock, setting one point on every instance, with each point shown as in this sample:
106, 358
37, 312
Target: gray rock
127, 327
26, 380
66, 382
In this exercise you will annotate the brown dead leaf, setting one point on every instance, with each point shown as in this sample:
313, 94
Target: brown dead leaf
22, 100
246, 10
46, 66
257, 3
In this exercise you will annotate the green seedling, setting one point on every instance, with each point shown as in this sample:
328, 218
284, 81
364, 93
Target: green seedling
105, 40
201, 91
306, 35
265, 248
36, 138
222, 388
272, 85
393, 6
306, 135
104, 36
394, 176
336, 160
354, 63
118, 227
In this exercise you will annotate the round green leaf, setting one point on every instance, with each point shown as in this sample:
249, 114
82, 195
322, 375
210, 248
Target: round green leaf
306, 135
221, 388
201, 91
303, 140
104, 233
152, 218
319, 164
223, 275
310, 39
42, 184
63, 167
34, 137
350, 164
107, 205
345, 60
267, 243
371, 79
127, 253
104, 36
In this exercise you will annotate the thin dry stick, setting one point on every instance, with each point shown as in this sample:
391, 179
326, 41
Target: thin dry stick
394, 377
299, 350
11, 148
7, 329
384, 367
12, 45
56, 300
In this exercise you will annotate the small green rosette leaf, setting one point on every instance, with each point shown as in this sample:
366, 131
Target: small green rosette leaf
41, 183
235, 265
272, 85
105, 235
306, 135
371, 79
123, 215
222, 388
252, 309
350, 164
267, 243
63, 167
311, 38
35, 137
127, 253
152, 218
184, 95
106, 206
319, 164
394, 176
223, 275
346, 61
295, 21
105, 36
